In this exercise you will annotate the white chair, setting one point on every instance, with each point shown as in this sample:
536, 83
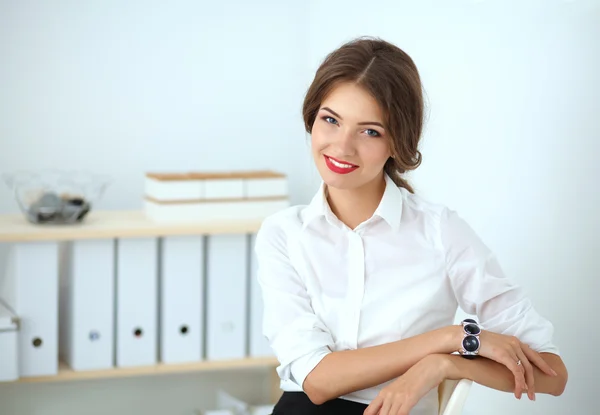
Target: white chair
453, 395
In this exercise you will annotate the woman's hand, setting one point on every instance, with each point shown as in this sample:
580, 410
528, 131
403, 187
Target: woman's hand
400, 396
517, 357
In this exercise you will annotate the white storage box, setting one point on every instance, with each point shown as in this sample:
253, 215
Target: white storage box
87, 304
266, 186
262, 409
226, 296
175, 186
32, 276
197, 196
194, 186
244, 185
9, 358
213, 211
240, 407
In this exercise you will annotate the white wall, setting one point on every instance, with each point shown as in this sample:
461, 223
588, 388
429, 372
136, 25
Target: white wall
512, 141
512, 144
123, 87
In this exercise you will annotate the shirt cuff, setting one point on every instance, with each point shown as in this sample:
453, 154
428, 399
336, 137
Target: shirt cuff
549, 349
302, 366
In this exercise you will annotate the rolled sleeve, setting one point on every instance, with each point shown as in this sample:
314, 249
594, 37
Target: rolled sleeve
482, 289
299, 339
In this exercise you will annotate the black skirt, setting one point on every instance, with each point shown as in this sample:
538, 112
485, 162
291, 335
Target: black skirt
297, 403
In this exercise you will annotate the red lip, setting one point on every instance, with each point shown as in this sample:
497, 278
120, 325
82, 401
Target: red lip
337, 169
341, 161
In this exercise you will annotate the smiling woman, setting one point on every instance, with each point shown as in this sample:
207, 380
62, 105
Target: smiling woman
384, 80
361, 286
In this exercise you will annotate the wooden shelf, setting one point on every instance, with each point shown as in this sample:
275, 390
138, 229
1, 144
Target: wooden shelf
66, 374
115, 224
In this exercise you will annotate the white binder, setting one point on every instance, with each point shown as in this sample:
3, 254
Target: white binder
226, 285
137, 295
181, 305
259, 345
87, 304
9, 361
30, 289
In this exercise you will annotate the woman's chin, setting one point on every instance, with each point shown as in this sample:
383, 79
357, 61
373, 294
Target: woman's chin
339, 181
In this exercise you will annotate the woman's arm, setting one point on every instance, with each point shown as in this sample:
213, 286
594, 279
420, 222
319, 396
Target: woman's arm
343, 372
340, 373
488, 373
501, 306
401, 395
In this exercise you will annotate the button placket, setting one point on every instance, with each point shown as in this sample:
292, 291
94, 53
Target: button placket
356, 270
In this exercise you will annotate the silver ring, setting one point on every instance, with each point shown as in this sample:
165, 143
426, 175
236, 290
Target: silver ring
519, 363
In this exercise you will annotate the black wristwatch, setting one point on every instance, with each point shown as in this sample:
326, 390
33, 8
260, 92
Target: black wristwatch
470, 342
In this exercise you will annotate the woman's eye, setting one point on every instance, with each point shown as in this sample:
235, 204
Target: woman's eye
330, 120
372, 133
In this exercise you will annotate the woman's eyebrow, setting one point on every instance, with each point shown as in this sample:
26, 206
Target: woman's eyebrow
360, 123
371, 123
333, 112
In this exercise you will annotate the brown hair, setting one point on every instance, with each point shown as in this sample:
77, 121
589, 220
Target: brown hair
392, 78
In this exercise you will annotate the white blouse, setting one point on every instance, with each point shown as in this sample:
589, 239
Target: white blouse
402, 272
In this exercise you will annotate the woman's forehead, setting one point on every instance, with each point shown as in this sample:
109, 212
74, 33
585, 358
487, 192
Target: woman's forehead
353, 103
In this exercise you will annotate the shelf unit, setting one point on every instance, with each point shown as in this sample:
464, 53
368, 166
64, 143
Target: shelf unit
114, 224
14, 228
66, 374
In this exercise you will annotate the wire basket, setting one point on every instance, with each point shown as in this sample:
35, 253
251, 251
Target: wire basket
56, 196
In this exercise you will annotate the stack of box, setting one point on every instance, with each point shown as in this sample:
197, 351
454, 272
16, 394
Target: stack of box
202, 196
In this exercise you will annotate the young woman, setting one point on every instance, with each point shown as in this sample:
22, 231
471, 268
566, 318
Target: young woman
361, 286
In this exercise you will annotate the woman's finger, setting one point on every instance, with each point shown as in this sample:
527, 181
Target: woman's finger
510, 361
538, 360
529, 378
374, 406
513, 366
396, 408
387, 405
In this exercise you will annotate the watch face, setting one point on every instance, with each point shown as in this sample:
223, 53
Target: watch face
470, 343
472, 329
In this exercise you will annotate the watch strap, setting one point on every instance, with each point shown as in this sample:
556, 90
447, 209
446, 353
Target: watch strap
470, 343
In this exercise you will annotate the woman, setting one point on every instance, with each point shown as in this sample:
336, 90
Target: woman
361, 286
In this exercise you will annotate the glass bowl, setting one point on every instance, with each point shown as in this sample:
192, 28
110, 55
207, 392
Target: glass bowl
56, 196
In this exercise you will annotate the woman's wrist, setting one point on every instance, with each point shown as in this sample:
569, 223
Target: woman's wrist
458, 368
444, 365
453, 336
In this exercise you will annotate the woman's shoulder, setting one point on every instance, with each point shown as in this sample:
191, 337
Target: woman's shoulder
283, 221
451, 227
420, 205
290, 215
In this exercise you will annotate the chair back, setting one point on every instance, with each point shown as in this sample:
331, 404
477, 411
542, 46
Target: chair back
453, 395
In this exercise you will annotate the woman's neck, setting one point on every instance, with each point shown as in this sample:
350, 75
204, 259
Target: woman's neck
354, 206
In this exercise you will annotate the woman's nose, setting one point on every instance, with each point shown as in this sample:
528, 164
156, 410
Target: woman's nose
344, 143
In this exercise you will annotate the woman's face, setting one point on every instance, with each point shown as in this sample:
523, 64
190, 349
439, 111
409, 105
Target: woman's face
349, 143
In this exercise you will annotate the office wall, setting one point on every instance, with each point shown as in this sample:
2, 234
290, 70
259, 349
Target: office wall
512, 143
125, 87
